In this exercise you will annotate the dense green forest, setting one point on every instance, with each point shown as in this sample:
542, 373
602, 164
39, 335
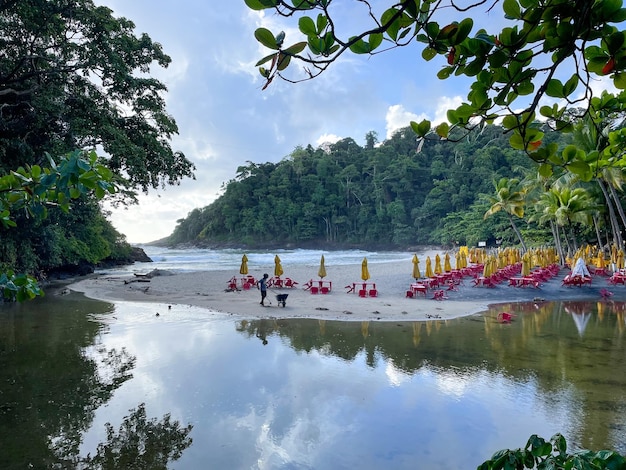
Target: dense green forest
396, 194
73, 79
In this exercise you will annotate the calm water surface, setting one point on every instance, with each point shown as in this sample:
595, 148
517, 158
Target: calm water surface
306, 394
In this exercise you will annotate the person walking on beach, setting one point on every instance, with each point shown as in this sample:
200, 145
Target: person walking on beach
262, 285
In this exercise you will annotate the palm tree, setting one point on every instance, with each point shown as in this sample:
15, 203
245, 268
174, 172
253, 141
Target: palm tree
509, 199
591, 134
564, 206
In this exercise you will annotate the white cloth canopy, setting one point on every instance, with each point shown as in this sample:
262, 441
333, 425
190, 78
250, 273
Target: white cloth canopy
580, 268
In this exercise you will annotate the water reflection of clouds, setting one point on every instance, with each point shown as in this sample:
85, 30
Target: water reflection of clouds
395, 376
264, 407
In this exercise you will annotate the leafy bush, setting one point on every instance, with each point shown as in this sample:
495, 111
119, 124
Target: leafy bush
541, 454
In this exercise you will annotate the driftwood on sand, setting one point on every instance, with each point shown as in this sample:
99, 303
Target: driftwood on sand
147, 276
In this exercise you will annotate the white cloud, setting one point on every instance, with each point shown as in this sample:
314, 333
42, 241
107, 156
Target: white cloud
445, 103
327, 139
398, 117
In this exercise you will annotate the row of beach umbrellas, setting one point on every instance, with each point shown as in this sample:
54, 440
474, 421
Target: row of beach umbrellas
278, 268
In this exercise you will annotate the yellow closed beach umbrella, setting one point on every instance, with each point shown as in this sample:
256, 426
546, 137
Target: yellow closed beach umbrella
447, 267
365, 274
488, 267
321, 272
278, 268
438, 264
416, 268
526, 264
600, 262
620, 259
243, 269
429, 267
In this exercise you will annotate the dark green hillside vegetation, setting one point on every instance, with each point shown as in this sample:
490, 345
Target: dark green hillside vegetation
74, 78
392, 195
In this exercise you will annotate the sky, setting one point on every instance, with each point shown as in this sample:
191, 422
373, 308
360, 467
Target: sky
225, 119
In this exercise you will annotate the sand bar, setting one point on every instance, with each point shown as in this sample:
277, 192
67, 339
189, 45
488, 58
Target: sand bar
208, 289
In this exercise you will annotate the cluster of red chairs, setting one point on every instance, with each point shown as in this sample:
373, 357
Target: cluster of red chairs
323, 287
576, 280
279, 283
618, 277
497, 277
449, 280
365, 293
246, 282
536, 277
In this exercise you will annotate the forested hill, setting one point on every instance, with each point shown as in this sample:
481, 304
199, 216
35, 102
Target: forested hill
396, 194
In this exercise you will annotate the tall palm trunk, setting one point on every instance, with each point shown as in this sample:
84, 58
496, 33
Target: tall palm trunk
557, 241
617, 236
618, 205
517, 232
596, 226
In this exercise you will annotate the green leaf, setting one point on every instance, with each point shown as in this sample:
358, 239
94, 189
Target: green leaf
581, 169
422, 128
442, 130
304, 4
265, 37
295, 49
307, 26
428, 53
260, 4
525, 88
545, 170
465, 27
445, 73
512, 9
322, 22
619, 80
360, 47
392, 26
555, 88
569, 153
375, 40
498, 58
475, 67
517, 142
510, 122
265, 59
283, 62
570, 85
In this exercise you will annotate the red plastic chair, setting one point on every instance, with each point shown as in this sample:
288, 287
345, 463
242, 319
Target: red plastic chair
314, 290
373, 293
362, 293
324, 290
505, 317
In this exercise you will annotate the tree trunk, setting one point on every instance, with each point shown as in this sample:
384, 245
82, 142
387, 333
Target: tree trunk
517, 232
620, 209
557, 242
617, 236
595, 224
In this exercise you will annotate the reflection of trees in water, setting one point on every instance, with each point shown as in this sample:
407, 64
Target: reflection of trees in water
53, 377
542, 345
139, 444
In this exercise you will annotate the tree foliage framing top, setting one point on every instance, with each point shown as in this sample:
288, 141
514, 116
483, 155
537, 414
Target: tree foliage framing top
552, 48
73, 76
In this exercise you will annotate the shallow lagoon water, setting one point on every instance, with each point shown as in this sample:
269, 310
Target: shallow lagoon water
309, 394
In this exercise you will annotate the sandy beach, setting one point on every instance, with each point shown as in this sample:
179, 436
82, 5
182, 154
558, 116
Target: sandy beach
209, 289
